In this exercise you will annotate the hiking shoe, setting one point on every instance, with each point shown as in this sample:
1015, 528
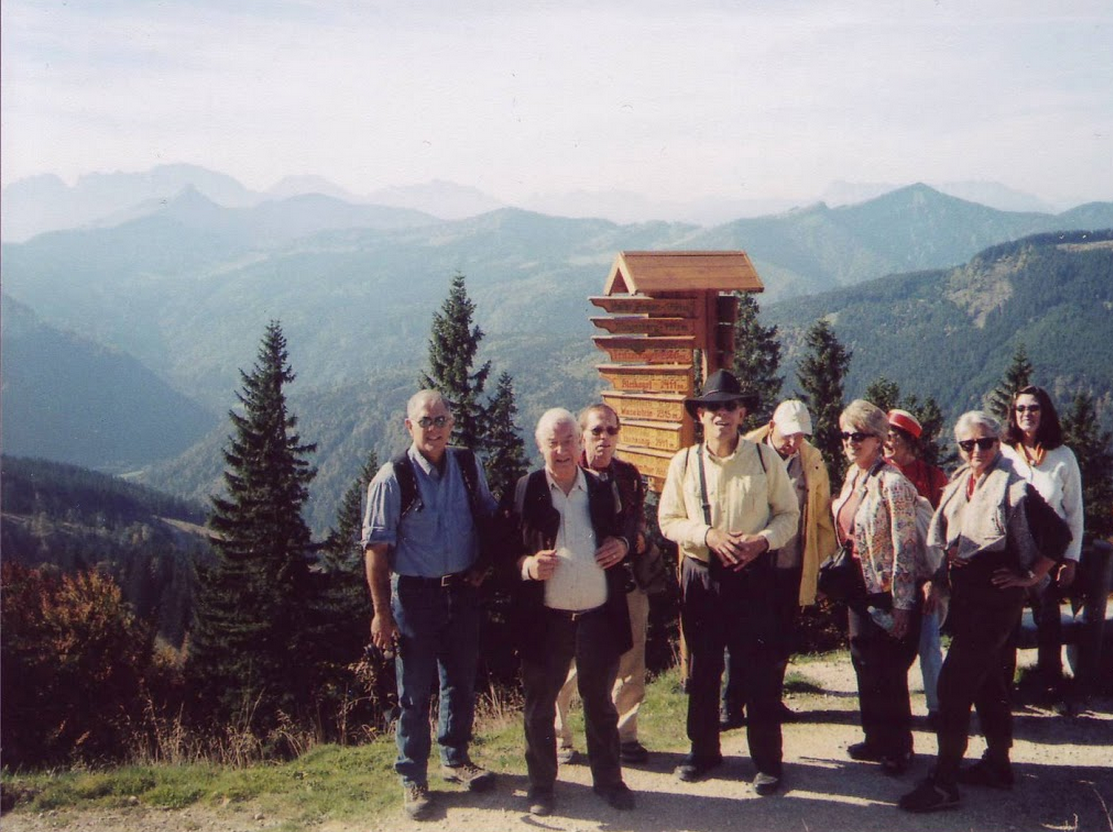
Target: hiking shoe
766, 784
633, 752
540, 801
469, 775
415, 801
693, 768
896, 764
863, 752
987, 773
618, 796
929, 796
566, 755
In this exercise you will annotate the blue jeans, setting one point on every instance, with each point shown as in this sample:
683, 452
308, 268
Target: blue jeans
438, 631
931, 658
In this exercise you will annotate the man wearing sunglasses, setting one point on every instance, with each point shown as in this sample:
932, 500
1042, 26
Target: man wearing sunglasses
422, 553
727, 502
601, 426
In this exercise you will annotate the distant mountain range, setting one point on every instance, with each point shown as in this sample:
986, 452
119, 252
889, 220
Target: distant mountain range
39, 204
165, 307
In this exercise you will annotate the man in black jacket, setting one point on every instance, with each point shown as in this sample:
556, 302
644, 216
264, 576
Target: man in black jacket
570, 604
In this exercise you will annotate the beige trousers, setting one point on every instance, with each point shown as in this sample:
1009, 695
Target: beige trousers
629, 685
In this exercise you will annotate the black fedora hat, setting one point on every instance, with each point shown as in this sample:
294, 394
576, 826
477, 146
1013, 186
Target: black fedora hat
721, 386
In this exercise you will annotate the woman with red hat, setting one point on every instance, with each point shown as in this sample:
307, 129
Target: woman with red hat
902, 449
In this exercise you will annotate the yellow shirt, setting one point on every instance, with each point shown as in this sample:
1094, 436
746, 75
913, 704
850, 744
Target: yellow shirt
743, 498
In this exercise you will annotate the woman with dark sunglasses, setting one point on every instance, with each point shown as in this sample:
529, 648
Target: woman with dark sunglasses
982, 524
875, 515
1034, 443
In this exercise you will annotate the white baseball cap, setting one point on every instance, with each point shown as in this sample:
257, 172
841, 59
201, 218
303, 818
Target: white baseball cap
792, 417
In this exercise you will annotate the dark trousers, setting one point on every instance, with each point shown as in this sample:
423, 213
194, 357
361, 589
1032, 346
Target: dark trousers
977, 671
786, 597
733, 610
881, 664
587, 639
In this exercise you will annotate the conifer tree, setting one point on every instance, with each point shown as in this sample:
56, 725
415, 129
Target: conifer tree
254, 601
453, 345
506, 451
883, 393
1017, 376
1082, 433
757, 358
821, 375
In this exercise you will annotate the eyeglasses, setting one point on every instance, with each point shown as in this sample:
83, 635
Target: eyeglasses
599, 430
1027, 408
984, 444
855, 437
714, 407
426, 422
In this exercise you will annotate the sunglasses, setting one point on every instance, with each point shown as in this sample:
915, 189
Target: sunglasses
1027, 408
855, 437
715, 407
599, 430
426, 422
984, 444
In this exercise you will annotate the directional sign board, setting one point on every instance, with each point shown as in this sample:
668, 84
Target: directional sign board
653, 465
639, 305
661, 407
649, 378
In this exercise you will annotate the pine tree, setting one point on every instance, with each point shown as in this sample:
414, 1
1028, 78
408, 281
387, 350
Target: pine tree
757, 358
1082, 433
506, 452
821, 375
883, 393
254, 601
886, 395
1017, 376
453, 345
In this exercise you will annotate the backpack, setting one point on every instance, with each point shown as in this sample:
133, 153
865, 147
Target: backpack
407, 479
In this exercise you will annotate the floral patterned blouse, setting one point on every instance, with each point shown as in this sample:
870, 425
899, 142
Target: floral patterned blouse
885, 532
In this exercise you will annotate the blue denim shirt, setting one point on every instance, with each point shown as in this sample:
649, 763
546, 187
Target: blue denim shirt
437, 536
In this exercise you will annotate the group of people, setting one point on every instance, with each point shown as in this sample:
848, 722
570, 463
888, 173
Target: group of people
753, 519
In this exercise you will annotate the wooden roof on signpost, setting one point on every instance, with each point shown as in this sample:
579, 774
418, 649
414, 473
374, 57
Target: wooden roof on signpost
659, 273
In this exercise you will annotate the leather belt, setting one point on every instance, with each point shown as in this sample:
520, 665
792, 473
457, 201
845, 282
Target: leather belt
574, 615
447, 581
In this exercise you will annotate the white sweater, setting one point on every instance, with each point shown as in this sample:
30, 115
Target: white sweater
1059, 482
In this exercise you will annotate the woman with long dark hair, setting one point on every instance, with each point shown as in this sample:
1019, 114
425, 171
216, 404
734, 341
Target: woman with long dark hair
1034, 443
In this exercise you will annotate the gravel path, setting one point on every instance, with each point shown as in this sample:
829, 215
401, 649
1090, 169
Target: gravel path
1064, 768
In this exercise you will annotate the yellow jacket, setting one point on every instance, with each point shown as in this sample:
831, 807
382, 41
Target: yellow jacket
818, 526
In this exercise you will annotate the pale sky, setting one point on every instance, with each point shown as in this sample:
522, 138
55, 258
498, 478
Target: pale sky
673, 100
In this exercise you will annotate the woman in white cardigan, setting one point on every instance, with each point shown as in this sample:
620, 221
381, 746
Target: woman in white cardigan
1034, 444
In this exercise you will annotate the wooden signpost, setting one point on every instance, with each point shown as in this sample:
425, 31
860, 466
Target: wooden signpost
663, 306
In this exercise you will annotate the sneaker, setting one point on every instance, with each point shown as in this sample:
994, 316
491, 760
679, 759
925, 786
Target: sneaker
566, 755
415, 801
989, 774
469, 775
766, 784
693, 768
896, 765
540, 801
930, 796
618, 796
863, 752
633, 752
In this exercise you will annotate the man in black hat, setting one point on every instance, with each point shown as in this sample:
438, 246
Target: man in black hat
726, 503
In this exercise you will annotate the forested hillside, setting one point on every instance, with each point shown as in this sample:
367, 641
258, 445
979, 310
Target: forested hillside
75, 519
951, 333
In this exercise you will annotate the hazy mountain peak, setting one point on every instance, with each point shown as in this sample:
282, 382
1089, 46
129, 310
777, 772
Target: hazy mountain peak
290, 186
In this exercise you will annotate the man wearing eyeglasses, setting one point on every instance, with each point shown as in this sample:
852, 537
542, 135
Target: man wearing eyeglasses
421, 546
601, 426
727, 502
